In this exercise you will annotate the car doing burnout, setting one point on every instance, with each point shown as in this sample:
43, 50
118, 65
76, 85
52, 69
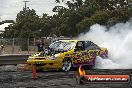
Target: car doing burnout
67, 54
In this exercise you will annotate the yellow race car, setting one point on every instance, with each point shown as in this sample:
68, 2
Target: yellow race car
67, 54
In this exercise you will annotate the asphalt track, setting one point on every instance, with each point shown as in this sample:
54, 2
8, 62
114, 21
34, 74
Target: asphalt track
56, 79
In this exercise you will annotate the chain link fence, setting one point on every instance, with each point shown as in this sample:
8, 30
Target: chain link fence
25, 45
21, 45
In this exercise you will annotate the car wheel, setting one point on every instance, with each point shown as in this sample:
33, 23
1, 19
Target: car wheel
79, 79
66, 64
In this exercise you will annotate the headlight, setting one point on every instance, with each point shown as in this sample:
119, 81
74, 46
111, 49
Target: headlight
51, 58
31, 58
56, 55
35, 55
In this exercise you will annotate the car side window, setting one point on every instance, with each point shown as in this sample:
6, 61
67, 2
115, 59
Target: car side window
90, 45
87, 44
80, 46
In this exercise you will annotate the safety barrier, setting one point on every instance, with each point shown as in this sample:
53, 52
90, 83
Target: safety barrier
13, 59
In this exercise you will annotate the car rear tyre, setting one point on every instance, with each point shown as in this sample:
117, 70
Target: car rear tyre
66, 64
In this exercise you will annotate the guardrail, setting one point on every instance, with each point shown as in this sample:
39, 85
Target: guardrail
13, 59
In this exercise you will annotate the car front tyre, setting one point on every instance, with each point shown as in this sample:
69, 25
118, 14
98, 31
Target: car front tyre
66, 64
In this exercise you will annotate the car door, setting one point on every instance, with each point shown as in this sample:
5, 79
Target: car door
78, 54
84, 54
91, 54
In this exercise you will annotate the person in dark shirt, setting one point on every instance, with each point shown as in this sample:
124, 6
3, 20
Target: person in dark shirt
40, 47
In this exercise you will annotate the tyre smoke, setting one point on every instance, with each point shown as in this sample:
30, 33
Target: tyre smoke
117, 39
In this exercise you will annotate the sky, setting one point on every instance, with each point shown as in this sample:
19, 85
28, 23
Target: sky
10, 8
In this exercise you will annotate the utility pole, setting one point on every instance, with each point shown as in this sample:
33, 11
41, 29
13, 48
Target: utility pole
26, 3
129, 3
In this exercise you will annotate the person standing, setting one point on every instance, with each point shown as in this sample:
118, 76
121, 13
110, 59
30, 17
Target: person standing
40, 47
2, 49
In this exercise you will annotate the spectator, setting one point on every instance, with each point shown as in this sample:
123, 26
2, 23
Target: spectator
40, 47
1, 48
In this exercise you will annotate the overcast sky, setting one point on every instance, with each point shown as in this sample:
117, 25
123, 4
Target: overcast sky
10, 8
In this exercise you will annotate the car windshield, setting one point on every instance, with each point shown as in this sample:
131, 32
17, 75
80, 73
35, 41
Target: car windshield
61, 45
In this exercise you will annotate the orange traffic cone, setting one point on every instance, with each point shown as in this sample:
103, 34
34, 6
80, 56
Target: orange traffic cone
34, 72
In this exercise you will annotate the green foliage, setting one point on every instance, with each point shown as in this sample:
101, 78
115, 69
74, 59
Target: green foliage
25, 26
8, 21
77, 17
27, 23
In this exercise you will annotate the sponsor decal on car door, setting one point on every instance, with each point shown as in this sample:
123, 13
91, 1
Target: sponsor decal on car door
83, 58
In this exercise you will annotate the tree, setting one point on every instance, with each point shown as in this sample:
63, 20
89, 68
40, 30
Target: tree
8, 21
80, 15
77, 17
27, 23
25, 26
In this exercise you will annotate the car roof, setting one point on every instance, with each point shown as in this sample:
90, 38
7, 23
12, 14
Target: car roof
69, 40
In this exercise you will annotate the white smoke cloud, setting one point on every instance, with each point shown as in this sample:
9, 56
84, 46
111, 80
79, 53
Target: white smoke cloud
118, 41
